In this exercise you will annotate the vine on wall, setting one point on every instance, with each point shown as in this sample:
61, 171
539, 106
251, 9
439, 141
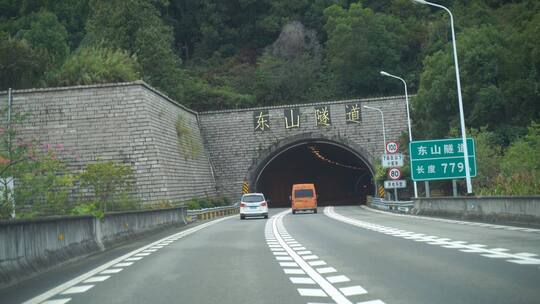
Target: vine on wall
190, 147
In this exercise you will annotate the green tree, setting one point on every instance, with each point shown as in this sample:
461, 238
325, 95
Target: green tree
290, 69
360, 44
481, 56
89, 65
20, 66
520, 166
48, 37
108, 185
45, 185
136, 26
489, 153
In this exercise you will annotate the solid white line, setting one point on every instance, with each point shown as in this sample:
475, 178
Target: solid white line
97, 279
58, 301
311, 292
60, 288
301, 280
78, 289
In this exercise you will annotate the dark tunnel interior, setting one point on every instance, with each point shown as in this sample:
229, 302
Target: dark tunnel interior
340, 177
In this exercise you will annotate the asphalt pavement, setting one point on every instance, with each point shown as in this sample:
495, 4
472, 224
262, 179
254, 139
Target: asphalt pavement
340, 255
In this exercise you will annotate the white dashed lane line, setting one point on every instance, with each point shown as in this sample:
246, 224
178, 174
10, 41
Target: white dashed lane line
522, 258
435, 219
103, 272
97, 279
59, 301
319, 282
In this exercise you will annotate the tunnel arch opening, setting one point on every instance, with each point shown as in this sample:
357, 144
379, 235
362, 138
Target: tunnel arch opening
341, 175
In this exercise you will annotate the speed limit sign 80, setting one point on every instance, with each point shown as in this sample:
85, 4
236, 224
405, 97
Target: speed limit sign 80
394, 173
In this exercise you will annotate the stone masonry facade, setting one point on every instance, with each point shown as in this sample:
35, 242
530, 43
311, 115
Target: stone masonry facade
128, 123
177, 153
237, 150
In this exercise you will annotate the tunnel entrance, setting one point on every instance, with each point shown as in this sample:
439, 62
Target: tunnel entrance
340, 176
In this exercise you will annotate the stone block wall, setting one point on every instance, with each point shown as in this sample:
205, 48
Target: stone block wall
178, 154
235, 146
127, 122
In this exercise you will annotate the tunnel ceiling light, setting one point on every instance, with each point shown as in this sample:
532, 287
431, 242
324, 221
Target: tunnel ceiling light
318, 155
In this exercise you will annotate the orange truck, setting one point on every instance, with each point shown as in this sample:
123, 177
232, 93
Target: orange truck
303, 197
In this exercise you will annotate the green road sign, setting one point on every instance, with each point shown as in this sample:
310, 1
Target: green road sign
440, 159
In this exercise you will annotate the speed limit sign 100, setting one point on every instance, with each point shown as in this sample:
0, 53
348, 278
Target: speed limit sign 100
392, 147
394, 173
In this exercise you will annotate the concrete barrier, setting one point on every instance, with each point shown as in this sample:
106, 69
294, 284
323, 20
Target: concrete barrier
28, 247
510, 209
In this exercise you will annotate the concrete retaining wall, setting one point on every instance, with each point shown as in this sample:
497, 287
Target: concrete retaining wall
28, 247
511, 209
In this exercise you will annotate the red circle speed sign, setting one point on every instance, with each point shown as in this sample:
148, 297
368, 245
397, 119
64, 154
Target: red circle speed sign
394, 173
392, 147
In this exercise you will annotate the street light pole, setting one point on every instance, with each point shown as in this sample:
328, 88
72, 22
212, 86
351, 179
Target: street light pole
458, 82
408, 116
383, 131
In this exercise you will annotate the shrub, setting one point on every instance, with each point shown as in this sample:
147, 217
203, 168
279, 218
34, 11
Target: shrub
109, 185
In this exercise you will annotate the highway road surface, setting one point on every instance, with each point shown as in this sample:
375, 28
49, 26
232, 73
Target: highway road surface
340, 255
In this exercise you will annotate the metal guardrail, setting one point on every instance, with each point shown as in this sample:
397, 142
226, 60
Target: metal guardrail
401, 206
210, 213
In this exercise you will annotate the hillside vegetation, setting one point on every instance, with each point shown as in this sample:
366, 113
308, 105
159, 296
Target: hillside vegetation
211, 54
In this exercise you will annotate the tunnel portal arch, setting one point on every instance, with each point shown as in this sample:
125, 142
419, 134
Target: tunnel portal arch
342, 172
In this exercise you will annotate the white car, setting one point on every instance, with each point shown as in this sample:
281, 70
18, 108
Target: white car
253, 204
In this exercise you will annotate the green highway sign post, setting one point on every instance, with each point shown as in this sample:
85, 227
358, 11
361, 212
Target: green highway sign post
441, 159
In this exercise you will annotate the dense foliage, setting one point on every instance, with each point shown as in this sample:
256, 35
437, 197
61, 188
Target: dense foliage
211, 54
